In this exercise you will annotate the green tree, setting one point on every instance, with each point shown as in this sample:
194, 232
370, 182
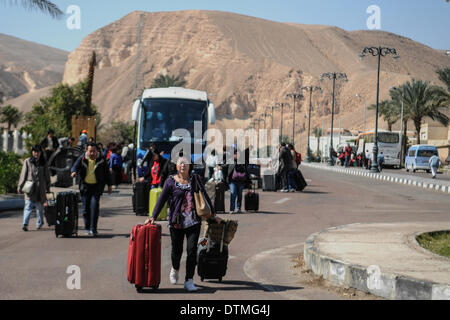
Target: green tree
390, 111
10, 115
10, 173
444, 76
165, 81
424, 100
42, 5
116, 131
90, 79
56, 110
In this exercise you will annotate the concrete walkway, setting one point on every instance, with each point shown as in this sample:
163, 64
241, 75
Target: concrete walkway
381, 258
419, 182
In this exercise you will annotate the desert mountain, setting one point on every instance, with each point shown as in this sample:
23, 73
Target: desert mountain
247, 64
27, 67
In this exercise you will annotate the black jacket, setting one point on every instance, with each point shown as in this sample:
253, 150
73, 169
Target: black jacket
101, 171
44, 143
162, 166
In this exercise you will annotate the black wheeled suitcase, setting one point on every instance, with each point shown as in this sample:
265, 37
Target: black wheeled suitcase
140, 198
66, 214
252, 200
219, 199
50, 211
212, 258
300, 180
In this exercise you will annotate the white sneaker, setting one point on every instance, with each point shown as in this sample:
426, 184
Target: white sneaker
173, 276
189, 285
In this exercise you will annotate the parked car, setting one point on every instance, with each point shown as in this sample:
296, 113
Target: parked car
418, 156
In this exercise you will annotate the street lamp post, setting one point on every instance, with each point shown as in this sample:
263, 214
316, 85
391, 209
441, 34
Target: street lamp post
365, 109
333, 76
295, 96
401, 125
282, 105
311, 89
377, 52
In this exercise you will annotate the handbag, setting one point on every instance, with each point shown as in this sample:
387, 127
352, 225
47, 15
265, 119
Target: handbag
28, 187
201, 205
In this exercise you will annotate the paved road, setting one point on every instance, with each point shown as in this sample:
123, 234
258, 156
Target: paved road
261, 262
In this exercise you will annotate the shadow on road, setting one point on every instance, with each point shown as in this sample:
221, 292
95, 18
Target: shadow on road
314, 192
229, 286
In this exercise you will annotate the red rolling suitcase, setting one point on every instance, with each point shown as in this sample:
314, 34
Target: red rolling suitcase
144, 257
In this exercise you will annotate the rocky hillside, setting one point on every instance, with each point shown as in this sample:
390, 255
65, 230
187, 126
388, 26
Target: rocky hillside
246, 63
27, 67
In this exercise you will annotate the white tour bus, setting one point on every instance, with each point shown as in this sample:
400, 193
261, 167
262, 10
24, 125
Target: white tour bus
388, 143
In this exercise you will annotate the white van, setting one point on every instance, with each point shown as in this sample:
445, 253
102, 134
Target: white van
418, 156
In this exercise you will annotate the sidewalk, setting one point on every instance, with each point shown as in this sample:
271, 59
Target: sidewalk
381, 258
17, 202
415, 181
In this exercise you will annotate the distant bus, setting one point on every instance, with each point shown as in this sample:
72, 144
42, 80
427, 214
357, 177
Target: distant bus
388, 143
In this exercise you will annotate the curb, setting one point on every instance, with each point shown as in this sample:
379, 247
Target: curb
370, 279
12, 204
380, 176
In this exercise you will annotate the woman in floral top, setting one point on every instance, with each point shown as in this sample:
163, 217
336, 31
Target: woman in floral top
183, 219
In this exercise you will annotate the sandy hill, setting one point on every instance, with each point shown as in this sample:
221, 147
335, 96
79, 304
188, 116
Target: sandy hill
246, 63
27, 67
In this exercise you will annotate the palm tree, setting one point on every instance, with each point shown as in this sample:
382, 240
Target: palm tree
444, 76
317, 132
43, 5
390, 111
165, 81
90, 84
425, 100
10, 115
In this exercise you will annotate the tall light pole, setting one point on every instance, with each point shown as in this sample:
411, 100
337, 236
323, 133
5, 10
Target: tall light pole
311, 89
294, 96
377, 52
333, 76
365, 109
401, 124
282, 105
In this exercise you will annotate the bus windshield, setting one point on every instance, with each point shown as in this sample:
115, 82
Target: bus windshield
161, 117
388, 137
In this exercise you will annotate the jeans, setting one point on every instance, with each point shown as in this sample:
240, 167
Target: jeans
291, 180
28, 209
91, 207
347, 161
177, 237
236, 189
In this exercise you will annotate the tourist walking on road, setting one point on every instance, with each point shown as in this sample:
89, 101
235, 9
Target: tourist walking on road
34, 182
292, 173
93, 172
348, 152
237, 179
434, 163
50, 144
380, 159
183, 218
285, 159
115, 166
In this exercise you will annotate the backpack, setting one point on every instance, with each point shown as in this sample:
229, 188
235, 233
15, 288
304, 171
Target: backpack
298, 158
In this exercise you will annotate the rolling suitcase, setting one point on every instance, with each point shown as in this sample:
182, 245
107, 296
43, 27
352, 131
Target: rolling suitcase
300, 180
50, 211
144, 257
155, 193
66, 214
140, 198
212, 258
252, 200
269, 182
219, 198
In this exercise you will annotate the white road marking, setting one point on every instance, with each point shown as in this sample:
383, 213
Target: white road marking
282, 200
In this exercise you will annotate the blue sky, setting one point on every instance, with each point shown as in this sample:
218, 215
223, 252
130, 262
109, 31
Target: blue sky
425, 21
